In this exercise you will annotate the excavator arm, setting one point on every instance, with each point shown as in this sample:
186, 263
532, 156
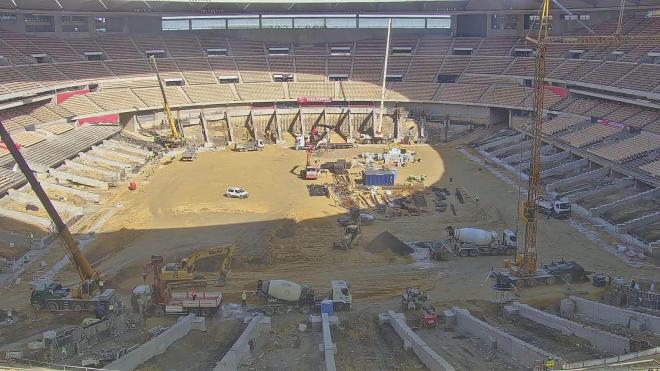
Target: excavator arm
85, 270
185, 270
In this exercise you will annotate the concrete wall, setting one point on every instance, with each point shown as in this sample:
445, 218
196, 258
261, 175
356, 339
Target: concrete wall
521, 352
258, 326
411, 340
155, 346
610, 360
614, 315
329, 348
602, 340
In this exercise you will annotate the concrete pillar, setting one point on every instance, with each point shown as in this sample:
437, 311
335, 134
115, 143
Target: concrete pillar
62, 207
302, 122
276, 117
79, 179
350, 125
106, 174
230, 130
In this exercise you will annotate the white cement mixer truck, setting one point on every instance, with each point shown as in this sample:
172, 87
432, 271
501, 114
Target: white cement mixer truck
280, 294
475, 242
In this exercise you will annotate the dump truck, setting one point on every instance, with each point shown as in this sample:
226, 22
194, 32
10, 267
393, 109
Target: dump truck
475, 242
145, 301
559, 209
55, 298
278, 295
249, 146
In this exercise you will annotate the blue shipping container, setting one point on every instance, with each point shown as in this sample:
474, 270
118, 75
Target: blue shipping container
327, 306
378, 177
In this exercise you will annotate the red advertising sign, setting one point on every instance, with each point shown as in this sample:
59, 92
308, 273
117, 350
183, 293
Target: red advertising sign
61, 97
562, 92
613, 124
305, 100
4, 146
111, 119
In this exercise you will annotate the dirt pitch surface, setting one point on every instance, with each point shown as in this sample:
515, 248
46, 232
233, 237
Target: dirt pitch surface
283, 233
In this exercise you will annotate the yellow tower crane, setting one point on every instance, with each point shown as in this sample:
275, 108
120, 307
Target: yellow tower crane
525, 272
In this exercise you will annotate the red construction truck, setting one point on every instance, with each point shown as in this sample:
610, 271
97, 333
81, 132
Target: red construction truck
201, 302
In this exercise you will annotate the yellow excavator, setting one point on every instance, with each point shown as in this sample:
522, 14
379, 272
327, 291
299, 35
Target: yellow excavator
187, 273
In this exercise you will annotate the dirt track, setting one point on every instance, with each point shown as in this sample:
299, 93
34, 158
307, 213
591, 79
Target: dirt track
180, 208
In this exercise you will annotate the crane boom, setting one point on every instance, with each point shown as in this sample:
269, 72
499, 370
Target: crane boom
85, 270
174, 132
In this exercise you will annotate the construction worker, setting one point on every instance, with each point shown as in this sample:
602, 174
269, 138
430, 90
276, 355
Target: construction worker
244, 299
550, 364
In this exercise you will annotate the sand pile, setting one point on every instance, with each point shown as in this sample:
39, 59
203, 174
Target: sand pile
387, 240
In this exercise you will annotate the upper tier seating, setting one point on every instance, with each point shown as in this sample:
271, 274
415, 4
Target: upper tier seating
652, 168
310, 62
311, 89
152, 97
405, 91
209, 93
116, 99
265, 91
589, 135
460, 92
488, 65
196, 70
505, 95
645, 77
119, 47
183, 45
67, 145
360, 90
561, 123
607, 73
629, 148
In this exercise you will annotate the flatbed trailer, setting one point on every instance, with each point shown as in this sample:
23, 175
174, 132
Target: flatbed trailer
204, 303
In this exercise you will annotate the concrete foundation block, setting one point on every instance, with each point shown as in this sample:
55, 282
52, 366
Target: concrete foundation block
383, 318
450, 318
566, 307
199, 323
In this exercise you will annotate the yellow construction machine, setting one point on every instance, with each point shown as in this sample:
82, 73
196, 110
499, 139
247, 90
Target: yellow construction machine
187, 272
175, 138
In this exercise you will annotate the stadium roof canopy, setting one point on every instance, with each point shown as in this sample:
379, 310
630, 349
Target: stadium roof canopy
294, 6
